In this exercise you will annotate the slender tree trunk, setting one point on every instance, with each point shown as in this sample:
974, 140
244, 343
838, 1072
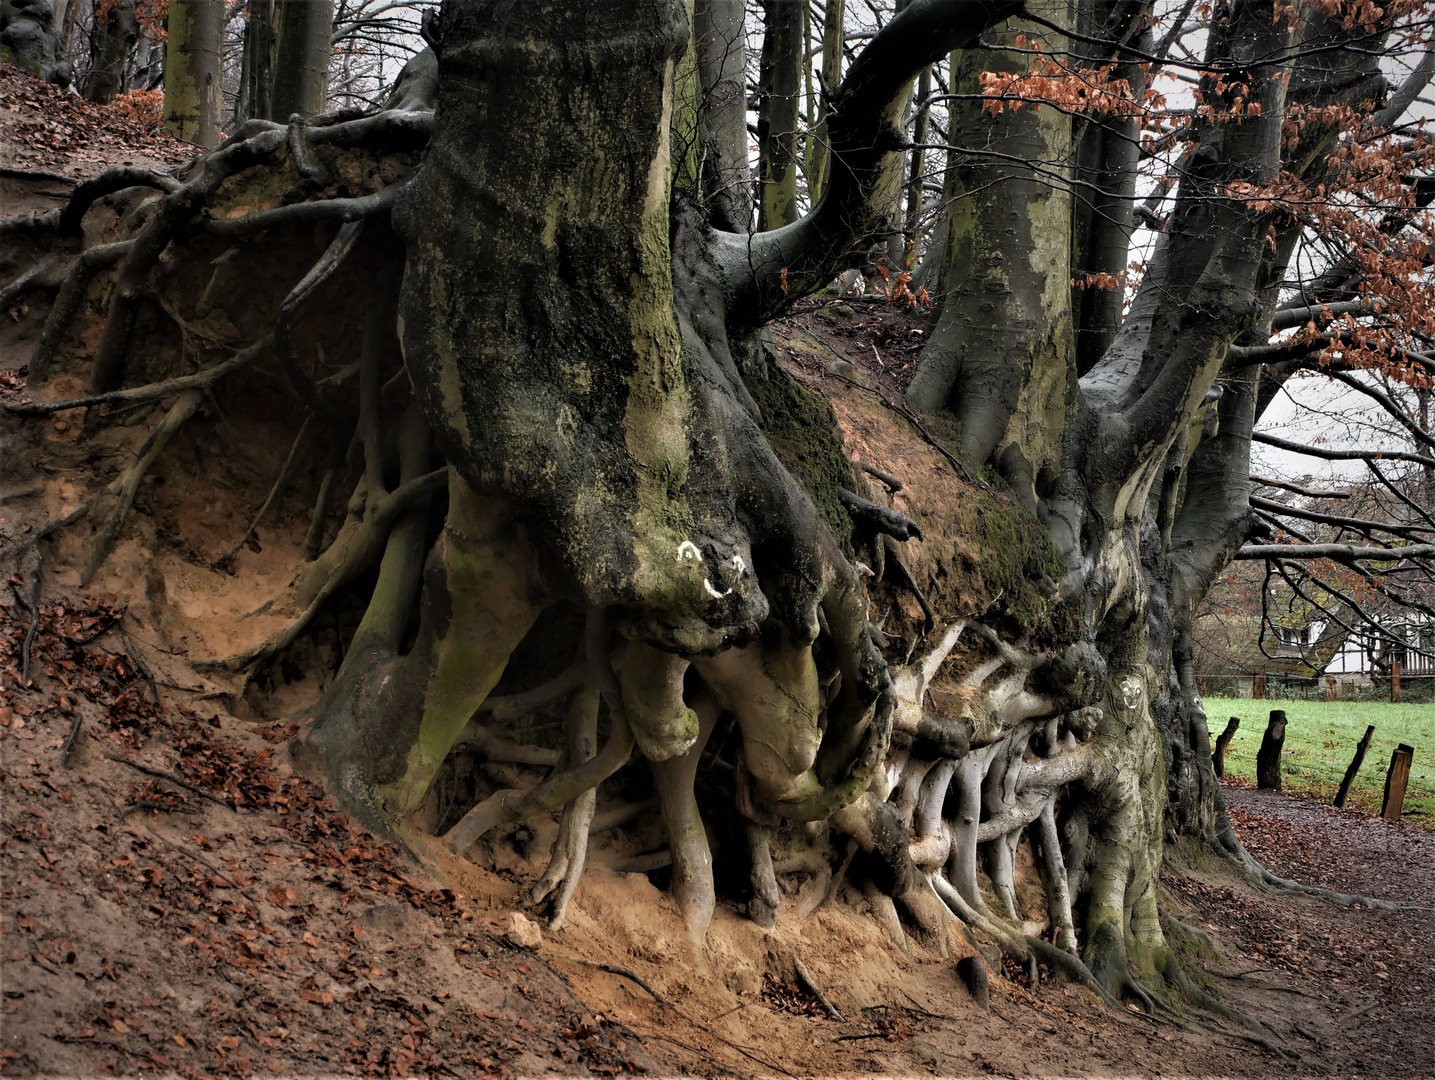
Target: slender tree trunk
830, 76
722, 126
1104, 217
192, 97
779, 90
257, 65
115, 32
918, 168
301, 65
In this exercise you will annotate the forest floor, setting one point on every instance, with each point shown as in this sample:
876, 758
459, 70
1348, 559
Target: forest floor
175, 901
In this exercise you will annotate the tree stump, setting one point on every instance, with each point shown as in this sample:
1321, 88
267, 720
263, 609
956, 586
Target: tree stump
1268, 759
1223, 740
1355, 762
1395, 780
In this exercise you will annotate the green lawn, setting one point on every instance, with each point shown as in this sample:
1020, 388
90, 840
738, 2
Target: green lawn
1320, 741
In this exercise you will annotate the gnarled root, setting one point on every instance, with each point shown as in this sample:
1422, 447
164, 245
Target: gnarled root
570, 850
762, 906
687, 839
513, 805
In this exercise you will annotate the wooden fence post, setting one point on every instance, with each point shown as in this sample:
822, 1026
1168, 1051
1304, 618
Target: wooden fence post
1268, 758
1223, 740
1258, 685
1395, 781
1355, 763
1330, 688
1395, 682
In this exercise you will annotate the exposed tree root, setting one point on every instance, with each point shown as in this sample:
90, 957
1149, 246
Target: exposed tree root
24, 281
1261, 876
200, 380
358, 554
276, 492
570, 850
129, 480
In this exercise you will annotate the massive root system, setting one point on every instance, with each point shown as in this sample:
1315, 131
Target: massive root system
540, 399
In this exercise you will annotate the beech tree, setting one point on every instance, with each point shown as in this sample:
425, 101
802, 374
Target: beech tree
193, 103
651, 527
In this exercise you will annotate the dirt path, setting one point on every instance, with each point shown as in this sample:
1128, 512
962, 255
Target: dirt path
1370, 974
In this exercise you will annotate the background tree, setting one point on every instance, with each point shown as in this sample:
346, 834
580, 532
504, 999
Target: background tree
301, 65
192, 98
116, 29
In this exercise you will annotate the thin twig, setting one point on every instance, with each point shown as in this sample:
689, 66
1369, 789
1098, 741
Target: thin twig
149, 770
139, 663
729, 1012
34, 605
70, 740
627, 973
203, 862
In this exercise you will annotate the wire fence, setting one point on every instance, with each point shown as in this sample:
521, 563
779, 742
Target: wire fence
1278, 685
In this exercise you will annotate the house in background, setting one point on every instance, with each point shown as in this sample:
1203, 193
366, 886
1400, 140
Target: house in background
1306, 654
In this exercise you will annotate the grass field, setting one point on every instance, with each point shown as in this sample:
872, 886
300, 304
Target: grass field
1320, 741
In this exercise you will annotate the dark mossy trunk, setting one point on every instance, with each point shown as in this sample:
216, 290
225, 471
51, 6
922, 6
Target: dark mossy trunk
115, 32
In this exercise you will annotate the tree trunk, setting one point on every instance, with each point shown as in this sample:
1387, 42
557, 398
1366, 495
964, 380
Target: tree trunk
830, 76
301, 62
721, 43
1002, 349
1107, 153
779, 99
1268, 758
917, 174
192, 97
256, 76
115, 32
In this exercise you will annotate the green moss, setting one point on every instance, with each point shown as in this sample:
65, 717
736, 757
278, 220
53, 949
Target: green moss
1016, 555
20, 60
802, 430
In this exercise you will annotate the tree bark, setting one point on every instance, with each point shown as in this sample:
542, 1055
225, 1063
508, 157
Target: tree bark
115, 32
779, 100
721, 43
301, 63
1001, 353
192, 97
833, 19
